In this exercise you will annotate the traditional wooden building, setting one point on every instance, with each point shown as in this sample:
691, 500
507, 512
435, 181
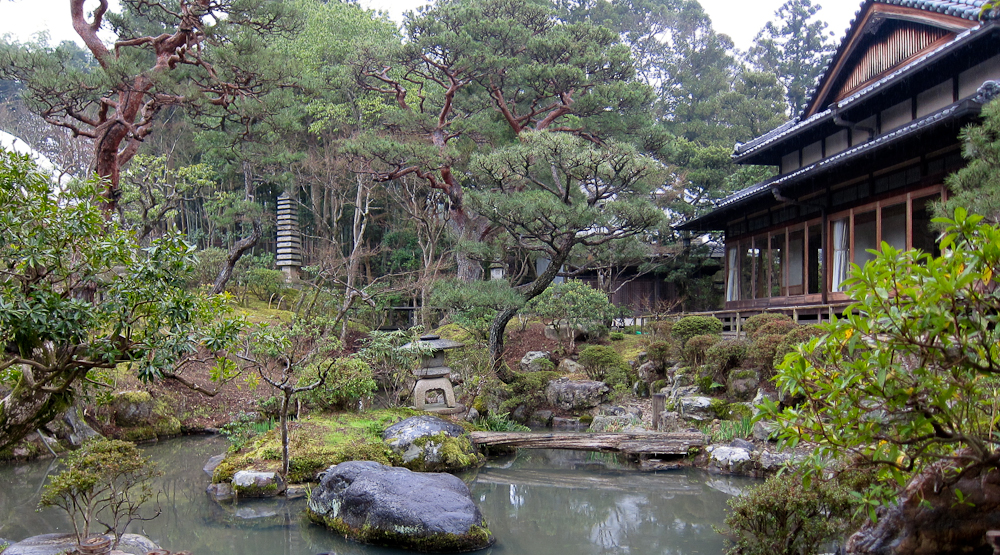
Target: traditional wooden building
866, 158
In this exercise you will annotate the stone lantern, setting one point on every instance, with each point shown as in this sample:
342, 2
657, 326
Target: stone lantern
433, 375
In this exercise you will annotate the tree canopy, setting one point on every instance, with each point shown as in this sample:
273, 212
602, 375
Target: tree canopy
78, 294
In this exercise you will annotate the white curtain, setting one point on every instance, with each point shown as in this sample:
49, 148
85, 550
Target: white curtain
733, 282
840, 254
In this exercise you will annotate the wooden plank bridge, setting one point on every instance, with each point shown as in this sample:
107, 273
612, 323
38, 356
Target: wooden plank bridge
629, 443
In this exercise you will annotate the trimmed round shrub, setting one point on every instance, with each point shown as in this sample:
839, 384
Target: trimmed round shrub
725, 355
777, 327
659, 352
696, 348
754, 324
603, 363
761, 353
690, 326
792, 339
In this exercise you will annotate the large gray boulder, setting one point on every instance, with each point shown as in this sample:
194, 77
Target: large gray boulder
696, 408
55, 544
429, 443
132, 408
371, 503
570, 366
250, 483
729, 459
576, 395
535, 361
71, 427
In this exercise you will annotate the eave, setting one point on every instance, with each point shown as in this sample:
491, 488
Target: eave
750, 199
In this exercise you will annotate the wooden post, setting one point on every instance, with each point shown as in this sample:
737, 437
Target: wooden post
739, 325
659, 404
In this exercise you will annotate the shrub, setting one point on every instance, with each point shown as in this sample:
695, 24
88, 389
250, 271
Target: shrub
706, 384
263, 283
754, 323
664, 328
776, 327
206, 266
761, 353
105, 475
349, 380
616, 336
908, 378
500, 423
696, 347
783, 516
726, 355
690, 326
659, 352
801, 334
599, 361
527, 389
575, 305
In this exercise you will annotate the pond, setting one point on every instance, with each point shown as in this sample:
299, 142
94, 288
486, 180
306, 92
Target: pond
540, 502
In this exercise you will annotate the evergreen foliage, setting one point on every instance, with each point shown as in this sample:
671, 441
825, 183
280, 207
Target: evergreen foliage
909, 376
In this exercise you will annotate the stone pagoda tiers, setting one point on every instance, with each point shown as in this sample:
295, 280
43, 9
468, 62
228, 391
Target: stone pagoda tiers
433, 375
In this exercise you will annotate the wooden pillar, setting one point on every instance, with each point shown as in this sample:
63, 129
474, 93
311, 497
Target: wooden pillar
659, 404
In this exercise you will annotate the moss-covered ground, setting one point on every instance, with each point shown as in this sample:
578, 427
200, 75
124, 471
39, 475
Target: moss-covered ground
316, 443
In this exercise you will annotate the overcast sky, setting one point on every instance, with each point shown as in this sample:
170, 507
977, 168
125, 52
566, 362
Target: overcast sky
739, 19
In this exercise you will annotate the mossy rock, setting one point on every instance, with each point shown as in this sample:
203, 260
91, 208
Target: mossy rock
742, 374
477, 537
738, 411
393, 507
444, 452
658, 385
719, 408
316, 443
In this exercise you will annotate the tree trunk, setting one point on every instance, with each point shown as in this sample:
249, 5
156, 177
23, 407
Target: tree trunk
25, 409
496, 339
243, 245
235, 253
286, 397
529, 290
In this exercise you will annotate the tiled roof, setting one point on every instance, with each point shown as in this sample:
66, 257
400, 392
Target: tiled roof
966, 9
764, 188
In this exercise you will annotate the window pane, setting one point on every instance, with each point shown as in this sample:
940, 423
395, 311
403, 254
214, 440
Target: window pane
746, 269
760, 271
815, 259
865, 237
924, 235
796, 262
778, 287
894, 225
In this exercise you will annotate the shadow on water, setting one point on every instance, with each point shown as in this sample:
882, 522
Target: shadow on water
540, 502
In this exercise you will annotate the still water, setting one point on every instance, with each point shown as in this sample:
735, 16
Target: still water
541, 502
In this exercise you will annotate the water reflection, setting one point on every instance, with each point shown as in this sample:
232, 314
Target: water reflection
551, 502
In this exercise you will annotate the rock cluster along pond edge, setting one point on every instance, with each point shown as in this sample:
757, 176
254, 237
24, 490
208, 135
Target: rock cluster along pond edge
371, 503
